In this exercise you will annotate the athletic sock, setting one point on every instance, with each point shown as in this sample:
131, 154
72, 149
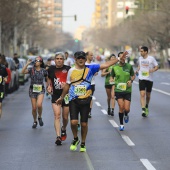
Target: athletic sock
146, 106
76, 139
143, 109
121, 118
126, 113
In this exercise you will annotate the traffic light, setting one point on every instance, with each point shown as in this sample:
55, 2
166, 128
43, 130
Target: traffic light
76, 40
127, 9
75, 17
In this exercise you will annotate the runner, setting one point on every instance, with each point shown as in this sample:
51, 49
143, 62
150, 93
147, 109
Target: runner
3, 79
109, 86
79, 87
147, 65
68, 61
56, 81
124, 76
36, 90
89, 56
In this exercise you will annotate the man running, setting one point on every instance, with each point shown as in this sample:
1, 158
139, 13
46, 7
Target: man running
124, 76
147, 65
56, 81
79, 87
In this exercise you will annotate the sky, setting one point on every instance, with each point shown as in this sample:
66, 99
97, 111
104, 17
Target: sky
82, 8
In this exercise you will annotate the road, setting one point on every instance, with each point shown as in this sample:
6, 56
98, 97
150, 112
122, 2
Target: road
143, 145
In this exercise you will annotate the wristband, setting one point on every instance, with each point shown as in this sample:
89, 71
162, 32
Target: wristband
61, 97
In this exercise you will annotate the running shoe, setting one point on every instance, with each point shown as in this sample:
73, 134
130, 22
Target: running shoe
126, 119
74, 144
63, 134
58, 141
108, 111
40, 121
34, 125
121, 128
82, 148
143, 113
78, 127
112, 113
146, 111
89, 116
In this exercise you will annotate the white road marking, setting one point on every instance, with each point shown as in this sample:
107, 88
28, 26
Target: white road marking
114, 124
104, 111
89, 163
147, 164
93, 97
165, 83
127, 140
98, 104
160, 91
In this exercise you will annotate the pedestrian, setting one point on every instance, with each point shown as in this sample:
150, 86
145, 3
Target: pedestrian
123, 74
15, 58
147, 66
89, 56
8, 79
37, 89
56, 81
3, 79
79, 86
68, 61
109, 86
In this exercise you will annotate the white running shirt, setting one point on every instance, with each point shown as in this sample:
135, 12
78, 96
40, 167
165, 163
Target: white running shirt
146, 65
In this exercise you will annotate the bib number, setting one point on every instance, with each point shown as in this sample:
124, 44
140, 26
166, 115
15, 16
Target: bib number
122, 86
1, 95
37, 88
145, 73
66, 99
0, 79
80, 90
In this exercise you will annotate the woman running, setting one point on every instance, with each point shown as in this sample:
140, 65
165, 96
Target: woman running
37, 89
109, 86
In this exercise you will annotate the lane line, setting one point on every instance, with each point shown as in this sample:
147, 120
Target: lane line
89, 163
147, 164
104, 111
113, 123
160, 91
98, 104
127, 140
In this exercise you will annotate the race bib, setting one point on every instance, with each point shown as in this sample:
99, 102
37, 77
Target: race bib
80, 90
145, 73
0, 79
111, 82
66, 99
122, 86
37, 88
1, 95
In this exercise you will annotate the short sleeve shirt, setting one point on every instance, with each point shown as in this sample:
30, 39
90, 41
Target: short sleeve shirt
37, 77
81, 89
122, 75
145, 65
58, 76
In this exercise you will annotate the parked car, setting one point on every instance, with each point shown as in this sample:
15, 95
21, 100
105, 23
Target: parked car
14, 83
22, 77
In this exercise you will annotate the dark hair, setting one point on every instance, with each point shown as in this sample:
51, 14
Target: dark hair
119, 53
79, 53
66, 52
144, 48
112, 55
42, 65
87, 53
15, 54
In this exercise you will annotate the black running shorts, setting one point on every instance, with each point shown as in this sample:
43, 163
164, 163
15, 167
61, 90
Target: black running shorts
55, 97
145, 85
76, 108
122, 95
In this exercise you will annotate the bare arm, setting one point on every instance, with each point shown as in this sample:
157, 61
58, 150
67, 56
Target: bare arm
108, 64
104, 72
154, 69
65, 91
24, 70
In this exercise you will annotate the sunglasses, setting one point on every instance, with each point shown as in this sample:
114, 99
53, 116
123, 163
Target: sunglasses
81, 57
37, 61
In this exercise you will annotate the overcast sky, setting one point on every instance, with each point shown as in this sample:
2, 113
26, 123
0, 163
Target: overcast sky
82, 8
